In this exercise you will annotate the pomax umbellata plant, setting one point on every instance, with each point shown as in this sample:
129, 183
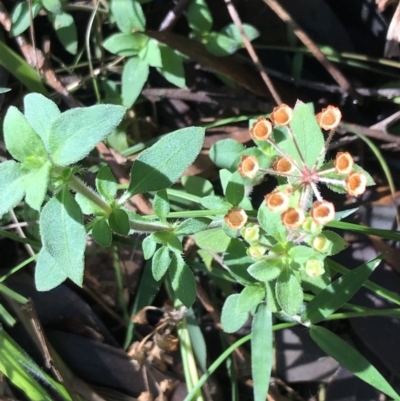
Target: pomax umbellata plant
276, 252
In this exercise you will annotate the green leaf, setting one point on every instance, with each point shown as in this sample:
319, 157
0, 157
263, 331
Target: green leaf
106, 184
308, 134
128, 15
182, 280
161, 205
250, 297
119, 221
235, 189
197, 339
64, 235
288, 292
214, 240
21, 140
87, 206
339, 292
76, 132
4, 90
125, 44
134, 77
11, 184
272, 302
221, 45
160, 262
168, 238
48, 273
172, 67
261, 351
215, 202
36, 183
301, 253
149, 247
20, 16
233, 32
192, 226
225, 153
231, 318
198, 186
151, 53
338, 243
54, 6
271, 222
351, 359
40, 113
265, 270
161, 165
199, 16
66, 32
102, 233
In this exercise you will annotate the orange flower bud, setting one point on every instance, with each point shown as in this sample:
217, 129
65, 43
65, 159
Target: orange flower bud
293, 217
282, 115
248, 166
315, 267
261, 129
343, 163
277, 201
356, 183
322, 212
283, 165
329, 118
236, 218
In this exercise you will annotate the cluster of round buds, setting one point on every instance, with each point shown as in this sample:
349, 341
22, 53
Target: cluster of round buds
236, 218
329, 118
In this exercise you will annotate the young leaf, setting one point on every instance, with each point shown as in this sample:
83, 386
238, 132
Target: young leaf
21, 140
11, 184
302, 253
199, 17
250, 297
272, 302
214, 240
129, 15
40, 113
106, 184
225, 153
182, 280
339, 292
102, 233
172, 67
64, 235
271, 222
161, 165
54, 6
134, 77
168, 238
233, 32
151, 54
149, 247
351, 359
76, 132
235, 189
36, 183
65, 28
20, 16
289, 293
261, 351
338, 243
119, 222
87, 206
265, 270
161, 205
192, 226
125, 44
198, 186
48, 273
160, 262
231, 318
221, 45
215, 202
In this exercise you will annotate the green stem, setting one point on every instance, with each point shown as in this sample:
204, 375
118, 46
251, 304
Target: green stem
12, 294
393, 312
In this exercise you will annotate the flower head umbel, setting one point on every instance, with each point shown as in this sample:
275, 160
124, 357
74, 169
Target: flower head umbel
248, 166
282, 115
236, 218
261, 129
329, 118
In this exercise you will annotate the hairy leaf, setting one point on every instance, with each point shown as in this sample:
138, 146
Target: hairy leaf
129, 15
134, 76
48, 272
36, 183
160, 262
106, 184
11, 184
231, 318
182, 280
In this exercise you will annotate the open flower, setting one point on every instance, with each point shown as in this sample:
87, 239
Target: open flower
322, 212
282, 115
277, 201
293, 217
315, 267
343, 163
236, 218
329, 118
356, 183
261, 129
248, 166
283, 165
